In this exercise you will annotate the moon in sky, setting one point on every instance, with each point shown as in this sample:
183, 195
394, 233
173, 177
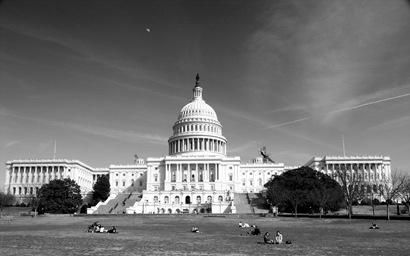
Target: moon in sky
148, 30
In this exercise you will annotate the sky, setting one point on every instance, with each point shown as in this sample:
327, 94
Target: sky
101, 81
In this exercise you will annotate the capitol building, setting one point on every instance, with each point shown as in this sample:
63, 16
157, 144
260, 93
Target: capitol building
196, 176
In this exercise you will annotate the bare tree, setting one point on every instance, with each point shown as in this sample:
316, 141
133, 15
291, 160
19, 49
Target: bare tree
5, 199
405, 194
350, 182
391, 188
33, 201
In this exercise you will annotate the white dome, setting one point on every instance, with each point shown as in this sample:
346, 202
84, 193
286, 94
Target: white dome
197, 129
197, 109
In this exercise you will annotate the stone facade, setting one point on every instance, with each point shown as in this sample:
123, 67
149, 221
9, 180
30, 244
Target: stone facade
25, 177
372, 171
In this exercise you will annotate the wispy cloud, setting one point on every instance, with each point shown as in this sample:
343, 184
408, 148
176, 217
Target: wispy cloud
124, 135
399, 122
340, 110
252, 145
371, 103
128, 136
286, 123
10, 144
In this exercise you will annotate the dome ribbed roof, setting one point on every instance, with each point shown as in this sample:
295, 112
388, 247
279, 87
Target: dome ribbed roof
197, 109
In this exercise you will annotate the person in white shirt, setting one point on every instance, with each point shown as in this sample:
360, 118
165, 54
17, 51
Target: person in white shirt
279, 237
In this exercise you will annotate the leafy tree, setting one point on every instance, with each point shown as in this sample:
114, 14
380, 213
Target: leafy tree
101, 189
60, 196
327, 193
5, 200
392, 187
304, 187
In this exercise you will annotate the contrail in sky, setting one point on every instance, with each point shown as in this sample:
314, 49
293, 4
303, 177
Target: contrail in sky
370, 103
340, 110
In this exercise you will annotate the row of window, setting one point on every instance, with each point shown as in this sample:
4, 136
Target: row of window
132, 174
360, 176
141, 182
198, 127
251, 182
25, 190
187, 200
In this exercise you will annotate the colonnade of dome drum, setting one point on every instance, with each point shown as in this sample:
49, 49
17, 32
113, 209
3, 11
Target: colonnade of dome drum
197, 144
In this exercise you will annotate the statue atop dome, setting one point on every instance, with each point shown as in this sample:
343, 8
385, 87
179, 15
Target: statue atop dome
197, 80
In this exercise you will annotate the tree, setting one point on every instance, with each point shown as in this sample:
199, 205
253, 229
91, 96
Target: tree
33, 201
5, 200
405, 194
328, 193
101, 189
391, 188
350, 182
303, 187
60, 196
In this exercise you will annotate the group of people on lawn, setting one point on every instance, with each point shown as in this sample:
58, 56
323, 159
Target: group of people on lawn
255, 231
98, 228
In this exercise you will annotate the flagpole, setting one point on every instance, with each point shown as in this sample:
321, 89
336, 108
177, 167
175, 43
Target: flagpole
55, 148
343, 140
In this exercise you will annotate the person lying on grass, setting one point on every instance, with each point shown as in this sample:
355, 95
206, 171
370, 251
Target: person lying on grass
374, 226
195, 230
243, 225
112, 230
255, 231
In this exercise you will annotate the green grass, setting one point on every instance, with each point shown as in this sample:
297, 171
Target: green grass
170, 235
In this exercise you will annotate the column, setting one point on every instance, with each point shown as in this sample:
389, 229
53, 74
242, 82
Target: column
206, 168
8, 176
197, 173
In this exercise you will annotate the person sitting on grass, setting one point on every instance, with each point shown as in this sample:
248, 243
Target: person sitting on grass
112, 230
374, 226
279, 237
255, 231
195, 230
266, 238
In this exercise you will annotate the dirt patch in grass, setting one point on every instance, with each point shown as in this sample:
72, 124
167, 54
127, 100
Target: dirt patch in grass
139, 235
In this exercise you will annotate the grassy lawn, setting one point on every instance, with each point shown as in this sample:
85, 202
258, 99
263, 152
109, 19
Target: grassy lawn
170, 235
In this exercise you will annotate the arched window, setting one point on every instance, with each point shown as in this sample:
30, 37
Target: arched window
177, 199
198, 199
155, 199
166, 199
230, 177
155, 177
209, 199
220, 198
